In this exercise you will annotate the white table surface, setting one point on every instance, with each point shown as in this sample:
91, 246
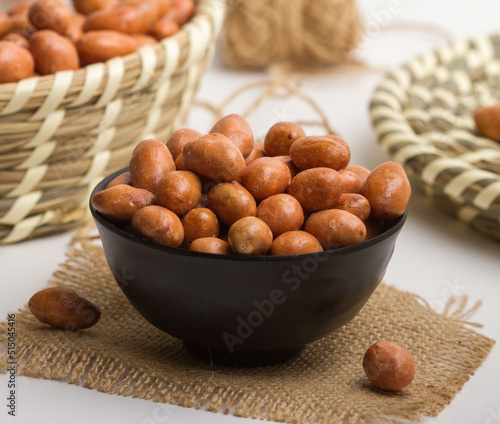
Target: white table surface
435, 256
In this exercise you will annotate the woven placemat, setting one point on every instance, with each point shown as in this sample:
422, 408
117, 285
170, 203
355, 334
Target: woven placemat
124, 355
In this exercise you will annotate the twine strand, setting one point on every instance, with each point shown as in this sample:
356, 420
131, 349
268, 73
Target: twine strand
281, 85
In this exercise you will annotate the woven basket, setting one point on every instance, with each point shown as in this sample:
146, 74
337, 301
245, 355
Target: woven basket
423, 117
60, 134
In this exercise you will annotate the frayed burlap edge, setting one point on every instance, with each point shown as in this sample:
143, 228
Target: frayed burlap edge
302, 390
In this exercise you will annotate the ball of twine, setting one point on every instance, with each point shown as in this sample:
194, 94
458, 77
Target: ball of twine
303, 33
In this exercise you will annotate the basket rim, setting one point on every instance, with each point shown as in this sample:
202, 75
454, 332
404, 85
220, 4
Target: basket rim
455, 165
40, 196
387, 108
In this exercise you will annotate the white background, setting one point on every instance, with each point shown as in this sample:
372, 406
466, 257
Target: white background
435, 256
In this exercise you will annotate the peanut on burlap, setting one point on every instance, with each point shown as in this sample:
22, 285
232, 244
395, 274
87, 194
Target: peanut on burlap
125, 355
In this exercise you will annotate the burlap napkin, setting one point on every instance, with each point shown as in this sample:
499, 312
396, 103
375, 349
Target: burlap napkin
124, 355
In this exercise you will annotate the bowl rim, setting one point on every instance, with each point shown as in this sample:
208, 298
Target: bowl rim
395, 228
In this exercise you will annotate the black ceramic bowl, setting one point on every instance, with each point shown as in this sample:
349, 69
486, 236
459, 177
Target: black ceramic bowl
259, 308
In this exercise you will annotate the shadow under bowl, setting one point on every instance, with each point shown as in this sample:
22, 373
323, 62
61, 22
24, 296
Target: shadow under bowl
245, 310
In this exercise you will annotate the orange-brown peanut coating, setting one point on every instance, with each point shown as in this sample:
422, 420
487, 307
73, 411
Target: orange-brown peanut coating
354, 203
20, 24
200, 223
50, 14
88, 6
53, 52
149, 10
250, 236
336, 228
77, 19
150, 161
20, 9
143, 40
102, 45
164, 27
388, 366
159, 225
281, 213
64, 308
211, 245
231, 201
312, 195
320, 151
182, 10
16, 63
120, 202
295, 243
179, 191
341, 141
179, 138
361, 171
288, 162
487, 120
164, 6
19, 21
214, 156
265, 177
18, 39
257, 152
74, 30
122, 18
316, 188
5, 24
123, 178
179, 163
281, 136
351, 181
237, 130
388, 190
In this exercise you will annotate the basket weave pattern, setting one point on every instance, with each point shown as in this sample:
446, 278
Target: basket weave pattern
423, 117
60, 134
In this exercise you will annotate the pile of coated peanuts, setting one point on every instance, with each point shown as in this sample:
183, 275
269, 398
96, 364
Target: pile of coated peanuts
224, 193
43, 37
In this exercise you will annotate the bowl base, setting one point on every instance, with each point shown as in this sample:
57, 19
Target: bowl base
241, 358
